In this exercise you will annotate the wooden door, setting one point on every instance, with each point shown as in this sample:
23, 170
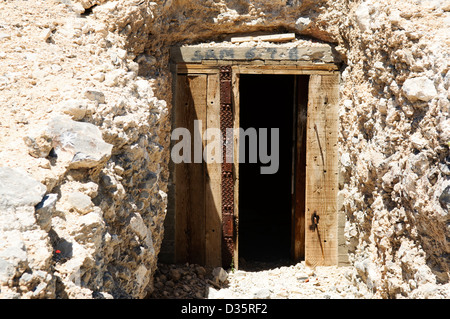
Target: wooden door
321, 240
197, 184
198, 215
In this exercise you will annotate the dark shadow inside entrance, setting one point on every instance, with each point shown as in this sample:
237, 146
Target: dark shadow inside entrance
265, 200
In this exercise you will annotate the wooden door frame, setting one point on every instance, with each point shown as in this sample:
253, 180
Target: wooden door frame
321, 243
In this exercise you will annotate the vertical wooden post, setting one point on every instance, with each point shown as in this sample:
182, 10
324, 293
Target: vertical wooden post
190, 177
181, 175
298, 220
213, 198
236, 120
322, 171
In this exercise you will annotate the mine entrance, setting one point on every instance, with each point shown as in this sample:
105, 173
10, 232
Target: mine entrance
223, 211
267, 202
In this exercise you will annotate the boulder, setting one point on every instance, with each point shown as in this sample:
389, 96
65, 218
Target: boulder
81, 143
17, 188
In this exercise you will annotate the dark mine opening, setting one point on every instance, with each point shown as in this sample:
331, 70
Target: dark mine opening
265, 200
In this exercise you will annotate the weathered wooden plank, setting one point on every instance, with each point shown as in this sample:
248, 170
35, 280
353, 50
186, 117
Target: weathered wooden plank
323, 53
196, 68
190, 177
213, 197
198, 85
322, 171
269, 38
291, 66
236, 124
282, 71
260, 68
181, 173
298, 221
282, 63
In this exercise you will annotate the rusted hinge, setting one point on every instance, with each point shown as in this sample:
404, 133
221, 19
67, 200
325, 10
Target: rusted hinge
226, 122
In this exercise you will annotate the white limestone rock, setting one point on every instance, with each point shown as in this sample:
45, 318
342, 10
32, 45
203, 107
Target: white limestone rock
362, 15
17, 188
80, 143
302, 23
80, 202
420, 88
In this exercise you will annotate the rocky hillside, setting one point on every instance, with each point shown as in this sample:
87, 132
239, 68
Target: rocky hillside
85, 98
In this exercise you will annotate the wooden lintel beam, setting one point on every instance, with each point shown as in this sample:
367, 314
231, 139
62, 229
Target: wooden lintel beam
269, 38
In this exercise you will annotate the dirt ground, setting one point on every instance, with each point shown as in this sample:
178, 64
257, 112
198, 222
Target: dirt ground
257, 281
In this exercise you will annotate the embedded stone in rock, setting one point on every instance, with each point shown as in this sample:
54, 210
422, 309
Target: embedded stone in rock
444, 128
44, 211
144, 88
13, 249
420, 88
392, 176
345, 160
362, 15
417, 141
138, 225
78, 8
39, 142
95, 96
419, 163
302, 23
81, 142
141, 276
80, 202
444, 199
76, 109
113, 78
90, 228
17, 188
45, 34
7, 270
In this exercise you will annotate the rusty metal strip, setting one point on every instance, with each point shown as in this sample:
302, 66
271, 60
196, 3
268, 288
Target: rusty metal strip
226, 121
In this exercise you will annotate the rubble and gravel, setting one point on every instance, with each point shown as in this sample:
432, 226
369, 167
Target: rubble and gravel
259, 280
